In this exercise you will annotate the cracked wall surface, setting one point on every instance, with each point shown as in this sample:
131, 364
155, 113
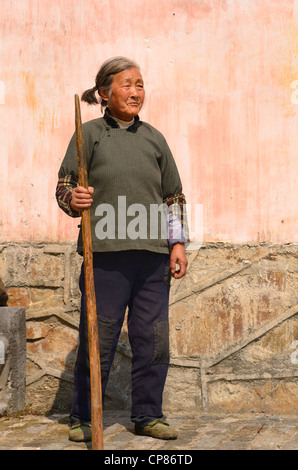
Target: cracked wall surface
233, 328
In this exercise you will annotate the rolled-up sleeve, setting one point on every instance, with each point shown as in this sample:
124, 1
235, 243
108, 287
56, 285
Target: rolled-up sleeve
178, 231
174, 198
65, 186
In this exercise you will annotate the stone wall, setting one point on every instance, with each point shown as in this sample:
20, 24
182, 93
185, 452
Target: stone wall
233, 328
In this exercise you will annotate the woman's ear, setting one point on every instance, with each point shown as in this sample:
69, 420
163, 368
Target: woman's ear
104, 94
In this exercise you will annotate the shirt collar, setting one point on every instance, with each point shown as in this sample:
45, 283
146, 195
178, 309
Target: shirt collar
114, 124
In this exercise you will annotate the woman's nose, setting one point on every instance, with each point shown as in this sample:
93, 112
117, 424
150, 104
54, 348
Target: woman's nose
133, 91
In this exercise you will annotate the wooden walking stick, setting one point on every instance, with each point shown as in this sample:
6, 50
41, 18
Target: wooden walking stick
94, 355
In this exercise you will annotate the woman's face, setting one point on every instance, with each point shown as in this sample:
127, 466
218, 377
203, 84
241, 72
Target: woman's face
127, 94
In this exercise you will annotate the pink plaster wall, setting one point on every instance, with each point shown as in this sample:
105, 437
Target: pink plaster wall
221, 84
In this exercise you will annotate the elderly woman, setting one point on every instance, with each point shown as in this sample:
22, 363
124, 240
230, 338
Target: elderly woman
133, 178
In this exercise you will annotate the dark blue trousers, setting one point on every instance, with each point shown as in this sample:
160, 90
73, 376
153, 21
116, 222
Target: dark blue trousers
139, 280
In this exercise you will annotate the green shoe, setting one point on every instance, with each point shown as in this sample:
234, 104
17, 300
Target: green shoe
159, 429
80, 432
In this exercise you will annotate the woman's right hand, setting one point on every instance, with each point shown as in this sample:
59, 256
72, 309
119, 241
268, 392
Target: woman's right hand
81, 198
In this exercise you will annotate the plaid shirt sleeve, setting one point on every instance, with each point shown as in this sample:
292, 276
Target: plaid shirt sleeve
64, 190
178, 231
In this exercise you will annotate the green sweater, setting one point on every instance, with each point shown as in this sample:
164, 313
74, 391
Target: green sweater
133, 172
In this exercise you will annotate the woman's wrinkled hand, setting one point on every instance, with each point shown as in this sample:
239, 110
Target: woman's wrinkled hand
178, 261
81, 198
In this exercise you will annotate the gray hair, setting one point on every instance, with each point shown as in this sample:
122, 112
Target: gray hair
105, 77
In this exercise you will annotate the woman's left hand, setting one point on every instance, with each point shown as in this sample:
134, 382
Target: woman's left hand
178, 257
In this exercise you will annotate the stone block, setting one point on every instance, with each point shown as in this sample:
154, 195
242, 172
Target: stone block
31, 266
13, 365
